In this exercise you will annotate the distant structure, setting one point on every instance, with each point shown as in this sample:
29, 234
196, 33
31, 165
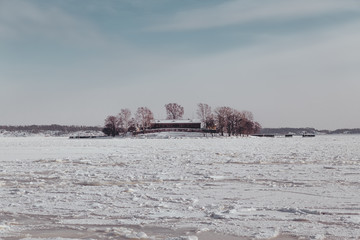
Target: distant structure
175, 124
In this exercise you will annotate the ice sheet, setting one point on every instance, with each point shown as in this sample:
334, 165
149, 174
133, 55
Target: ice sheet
251, 187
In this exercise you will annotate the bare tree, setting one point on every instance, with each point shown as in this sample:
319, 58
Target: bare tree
111, 126
174, 111
124, 119
248, 115
249, 127
233, 122
257, 127
210, 122
132, 125
204, 113
143, 117
238, 122
222, 118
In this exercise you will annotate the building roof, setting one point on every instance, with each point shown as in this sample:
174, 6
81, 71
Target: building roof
177, 121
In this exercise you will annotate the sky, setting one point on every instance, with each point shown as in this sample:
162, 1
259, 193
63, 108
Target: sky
293, 63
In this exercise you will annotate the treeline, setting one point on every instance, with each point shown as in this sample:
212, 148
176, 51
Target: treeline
224, 120
284, 131
299, 131
53, 127
343, 131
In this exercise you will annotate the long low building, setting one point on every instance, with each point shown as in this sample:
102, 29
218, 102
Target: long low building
156, 124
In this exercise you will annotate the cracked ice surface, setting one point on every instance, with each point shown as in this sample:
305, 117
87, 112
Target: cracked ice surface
252, 187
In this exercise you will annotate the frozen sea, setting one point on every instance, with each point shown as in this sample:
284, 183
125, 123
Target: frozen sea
180, 189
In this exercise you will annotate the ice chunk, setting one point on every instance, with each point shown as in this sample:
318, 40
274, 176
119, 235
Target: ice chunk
183, 238
268, 233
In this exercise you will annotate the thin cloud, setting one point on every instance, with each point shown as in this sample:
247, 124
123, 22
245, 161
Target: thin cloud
245, 11
22, 19
292, 80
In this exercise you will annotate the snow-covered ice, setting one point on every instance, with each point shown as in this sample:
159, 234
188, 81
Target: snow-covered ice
136, 188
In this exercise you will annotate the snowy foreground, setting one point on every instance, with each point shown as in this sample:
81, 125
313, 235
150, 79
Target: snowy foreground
180, 189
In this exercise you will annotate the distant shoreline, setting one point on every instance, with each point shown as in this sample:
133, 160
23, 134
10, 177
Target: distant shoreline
299, 131
67, 131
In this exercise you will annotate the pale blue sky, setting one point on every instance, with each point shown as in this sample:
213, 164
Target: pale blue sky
291, 62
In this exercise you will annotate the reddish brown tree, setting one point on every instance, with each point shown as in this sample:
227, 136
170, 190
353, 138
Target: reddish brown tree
124, 120
257, 128
132, 125
111, 126
238, 123
248, 115
143, 118
210, 122
174, 111
249, 127
233, 122
222, 117
205, 114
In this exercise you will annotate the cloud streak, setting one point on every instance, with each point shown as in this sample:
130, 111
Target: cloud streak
245, 11
300, 77
295, 81
22, 19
